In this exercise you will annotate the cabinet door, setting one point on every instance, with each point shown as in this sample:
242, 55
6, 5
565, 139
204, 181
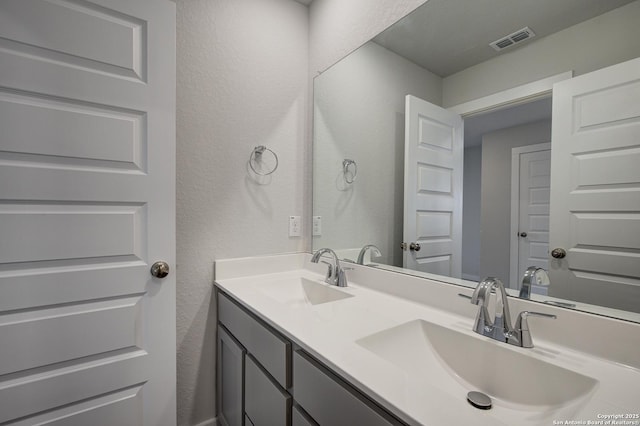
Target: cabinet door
266, 404
330, 400
301, 419
230, 379
271, 350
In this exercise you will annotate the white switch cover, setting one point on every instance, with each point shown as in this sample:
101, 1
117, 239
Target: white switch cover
294, 226
317, 225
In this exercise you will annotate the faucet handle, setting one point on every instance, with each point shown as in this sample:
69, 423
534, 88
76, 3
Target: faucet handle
329, 269
342, 277
522, 326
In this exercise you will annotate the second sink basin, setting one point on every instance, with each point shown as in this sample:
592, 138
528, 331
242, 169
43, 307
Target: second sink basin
442, 355
301, 291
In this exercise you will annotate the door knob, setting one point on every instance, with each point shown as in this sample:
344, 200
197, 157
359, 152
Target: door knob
160, 269
414, 247
523, 234
558, 253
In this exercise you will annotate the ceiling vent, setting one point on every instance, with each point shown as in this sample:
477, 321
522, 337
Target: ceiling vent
513, 39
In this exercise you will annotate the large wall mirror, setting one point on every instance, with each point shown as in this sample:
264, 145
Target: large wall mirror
480, 78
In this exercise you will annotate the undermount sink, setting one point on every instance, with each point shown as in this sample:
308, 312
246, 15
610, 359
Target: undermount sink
301, 291
441, 354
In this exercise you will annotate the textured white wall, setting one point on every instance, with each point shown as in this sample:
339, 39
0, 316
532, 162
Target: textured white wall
597, 43
242, 81
496, 193
359, 114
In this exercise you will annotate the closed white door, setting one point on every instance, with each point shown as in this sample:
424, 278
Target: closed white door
595, 187
87, 154
433, 188
532, 230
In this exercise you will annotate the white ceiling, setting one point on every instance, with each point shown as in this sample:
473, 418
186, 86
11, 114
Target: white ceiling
447, 36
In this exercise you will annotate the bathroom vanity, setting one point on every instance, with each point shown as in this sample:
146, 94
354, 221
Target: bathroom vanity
392, 349
260, 370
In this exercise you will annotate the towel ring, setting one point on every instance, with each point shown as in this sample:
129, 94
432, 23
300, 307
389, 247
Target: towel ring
256, 157
349, 170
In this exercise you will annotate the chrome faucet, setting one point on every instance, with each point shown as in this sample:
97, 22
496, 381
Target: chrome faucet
335, 274
533, 275
500, 328
374, 251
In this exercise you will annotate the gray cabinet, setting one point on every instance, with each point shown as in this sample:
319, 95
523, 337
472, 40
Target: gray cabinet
265, 402
299, 418
329, 400
271, 350
230, 380
254, 369
259, 371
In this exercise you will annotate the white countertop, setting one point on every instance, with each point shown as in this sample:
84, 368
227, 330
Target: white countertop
330, 332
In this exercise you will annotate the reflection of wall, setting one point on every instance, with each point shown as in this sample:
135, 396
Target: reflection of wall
471, 213
359, 112
496, 182
599, 42
337, 27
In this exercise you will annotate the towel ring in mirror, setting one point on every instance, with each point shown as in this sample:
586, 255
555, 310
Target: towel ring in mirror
255, 160
350, 170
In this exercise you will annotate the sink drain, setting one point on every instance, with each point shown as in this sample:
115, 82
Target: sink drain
479, 400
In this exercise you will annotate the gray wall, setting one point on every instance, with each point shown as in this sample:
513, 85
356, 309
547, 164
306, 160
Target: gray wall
241, 81
496, 193
338, 27
359, 114
471, 213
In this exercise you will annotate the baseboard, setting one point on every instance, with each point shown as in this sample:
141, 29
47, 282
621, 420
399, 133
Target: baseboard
210, 422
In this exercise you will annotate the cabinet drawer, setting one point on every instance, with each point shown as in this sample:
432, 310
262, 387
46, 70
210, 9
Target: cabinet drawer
264, 402
271, 350
330, 400
300, 419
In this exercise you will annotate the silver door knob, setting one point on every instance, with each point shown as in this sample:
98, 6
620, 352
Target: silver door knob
414, 247
523, 234
558, 253
160, 269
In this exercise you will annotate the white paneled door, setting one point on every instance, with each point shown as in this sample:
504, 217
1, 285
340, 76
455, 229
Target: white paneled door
433, 189
87, 205
530, 179
595, 188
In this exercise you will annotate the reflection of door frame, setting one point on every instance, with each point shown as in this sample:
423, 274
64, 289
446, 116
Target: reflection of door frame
514, 276
508, 98
511, 97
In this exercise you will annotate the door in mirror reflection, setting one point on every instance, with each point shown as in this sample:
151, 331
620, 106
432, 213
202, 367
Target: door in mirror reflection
595, 204
531, 177
433, 189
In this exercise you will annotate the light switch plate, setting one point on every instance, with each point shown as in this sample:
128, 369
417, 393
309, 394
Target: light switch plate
317, 225
294, 226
